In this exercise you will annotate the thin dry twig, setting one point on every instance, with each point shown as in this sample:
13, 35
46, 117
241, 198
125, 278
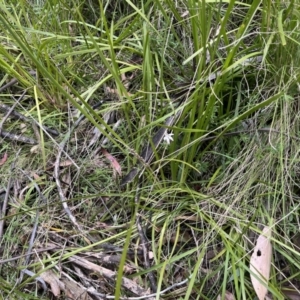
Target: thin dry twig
53, 247
35, 226
14, 81
150, 296
61, 148
5, 202
57, 174
37, 278
11, 109
130, 285
4, 207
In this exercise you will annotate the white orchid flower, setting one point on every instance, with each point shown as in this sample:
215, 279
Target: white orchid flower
168, 138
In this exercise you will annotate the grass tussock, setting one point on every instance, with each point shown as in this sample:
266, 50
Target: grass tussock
187, 145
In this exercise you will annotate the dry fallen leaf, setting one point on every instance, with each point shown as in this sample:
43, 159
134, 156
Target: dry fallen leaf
114, 163
66, 163
3, 159
51, 278
260, 263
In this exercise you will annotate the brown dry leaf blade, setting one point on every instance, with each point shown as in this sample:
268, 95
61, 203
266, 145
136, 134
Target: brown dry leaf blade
260, 263
3, 159
114, 163
51, 278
